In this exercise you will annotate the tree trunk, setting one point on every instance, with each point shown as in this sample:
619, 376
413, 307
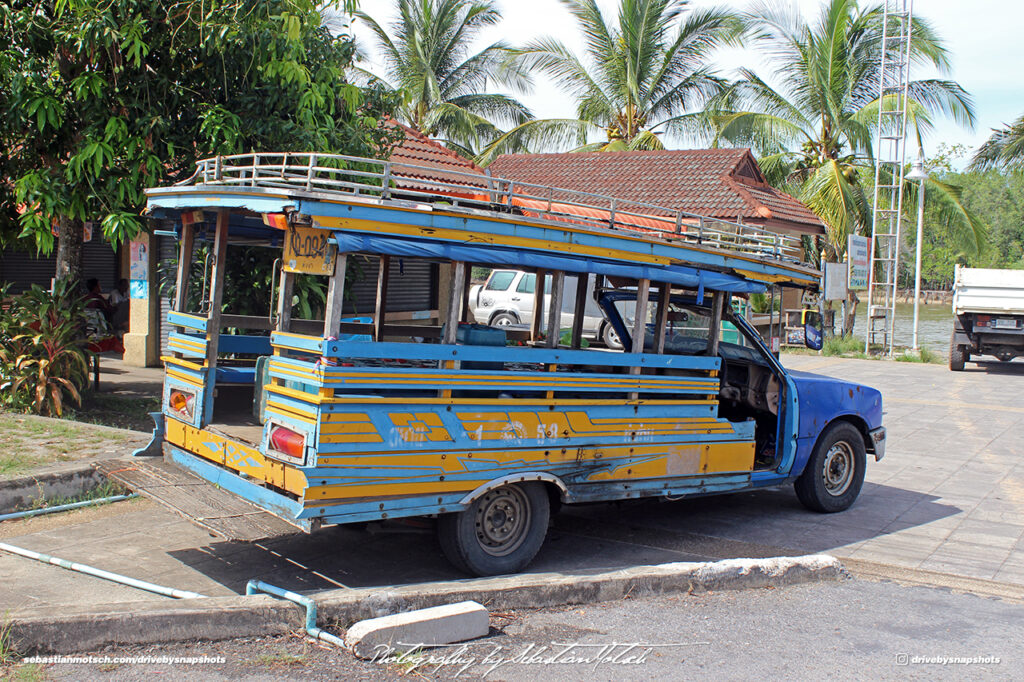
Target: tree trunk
851, 312
69, 250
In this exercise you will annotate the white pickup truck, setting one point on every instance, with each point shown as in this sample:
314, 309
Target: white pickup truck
989, 309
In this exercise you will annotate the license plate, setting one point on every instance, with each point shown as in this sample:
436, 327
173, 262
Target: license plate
1006, 323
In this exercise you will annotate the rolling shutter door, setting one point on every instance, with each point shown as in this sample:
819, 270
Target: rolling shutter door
25, 268
411, 286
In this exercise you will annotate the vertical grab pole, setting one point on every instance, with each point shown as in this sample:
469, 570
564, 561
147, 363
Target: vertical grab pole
381, 311
188, 235
661, 326
555, 318
579, 310
538, 305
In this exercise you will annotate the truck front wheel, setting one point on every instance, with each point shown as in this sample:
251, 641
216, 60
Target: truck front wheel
834, 474
501, 531
958, 355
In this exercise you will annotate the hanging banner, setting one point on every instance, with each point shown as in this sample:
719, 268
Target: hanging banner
857, 262
308, 251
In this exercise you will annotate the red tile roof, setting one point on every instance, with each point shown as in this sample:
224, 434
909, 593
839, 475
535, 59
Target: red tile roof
419, 150
717, 183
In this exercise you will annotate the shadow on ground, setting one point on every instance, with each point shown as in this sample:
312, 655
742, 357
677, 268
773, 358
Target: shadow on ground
586, 538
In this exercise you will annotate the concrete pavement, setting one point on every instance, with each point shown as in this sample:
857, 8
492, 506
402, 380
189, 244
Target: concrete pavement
948, 497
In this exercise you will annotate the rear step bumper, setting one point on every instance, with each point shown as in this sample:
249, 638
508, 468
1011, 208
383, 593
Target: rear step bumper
210, 497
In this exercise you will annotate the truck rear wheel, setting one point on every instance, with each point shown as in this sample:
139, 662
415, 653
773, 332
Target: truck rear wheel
958, 355
834, 474
501, 531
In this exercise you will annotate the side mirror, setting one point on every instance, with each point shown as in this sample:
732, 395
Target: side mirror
814, 336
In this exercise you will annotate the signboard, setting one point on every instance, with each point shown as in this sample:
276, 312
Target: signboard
835, 277
857, 261
138, 269
308, 251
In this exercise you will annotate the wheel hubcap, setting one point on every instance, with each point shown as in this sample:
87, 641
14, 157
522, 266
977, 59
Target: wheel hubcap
502, 322
837, 471
502, 519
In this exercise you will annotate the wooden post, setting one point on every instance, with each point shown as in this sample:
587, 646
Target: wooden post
188, 236
555, 310
458, 280
220, 250
383, 275
579, 309
661, 326
335, 296
718, 304
451, 324
466, 286
643, 291
538, 306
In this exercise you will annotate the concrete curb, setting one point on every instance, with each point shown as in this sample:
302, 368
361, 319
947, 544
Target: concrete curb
69, 481
77, 629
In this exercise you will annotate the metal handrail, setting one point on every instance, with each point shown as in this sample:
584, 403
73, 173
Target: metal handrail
359, 176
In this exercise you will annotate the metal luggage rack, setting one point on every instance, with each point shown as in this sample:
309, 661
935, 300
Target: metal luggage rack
364, 177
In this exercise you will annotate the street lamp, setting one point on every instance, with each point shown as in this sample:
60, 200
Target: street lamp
918, 173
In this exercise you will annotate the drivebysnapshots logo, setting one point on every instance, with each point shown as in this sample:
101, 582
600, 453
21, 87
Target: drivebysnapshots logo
911, 659
483, 659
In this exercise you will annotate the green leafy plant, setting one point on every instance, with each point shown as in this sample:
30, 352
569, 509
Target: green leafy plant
43, 355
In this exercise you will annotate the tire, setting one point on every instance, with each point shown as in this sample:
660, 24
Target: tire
503, 320
957, 356
609, 338
834, 474
513, 539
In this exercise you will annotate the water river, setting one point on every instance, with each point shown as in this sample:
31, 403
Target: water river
934, 328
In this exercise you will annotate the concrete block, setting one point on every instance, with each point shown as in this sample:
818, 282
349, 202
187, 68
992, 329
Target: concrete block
424, 627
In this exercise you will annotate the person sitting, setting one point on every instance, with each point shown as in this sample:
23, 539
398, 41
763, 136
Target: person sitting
120, 302
95, 300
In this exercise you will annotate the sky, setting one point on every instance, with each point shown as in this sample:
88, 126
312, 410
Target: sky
984, 38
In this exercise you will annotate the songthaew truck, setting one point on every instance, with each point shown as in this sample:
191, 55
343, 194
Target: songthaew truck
989, 309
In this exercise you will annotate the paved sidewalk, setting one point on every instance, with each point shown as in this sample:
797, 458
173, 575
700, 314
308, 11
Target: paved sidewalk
948, 497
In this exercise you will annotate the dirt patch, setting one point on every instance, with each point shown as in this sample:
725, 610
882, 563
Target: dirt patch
28, 442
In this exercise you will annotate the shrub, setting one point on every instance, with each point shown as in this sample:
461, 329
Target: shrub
43, 356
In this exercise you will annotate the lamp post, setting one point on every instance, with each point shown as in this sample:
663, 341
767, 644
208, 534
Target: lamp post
918, 173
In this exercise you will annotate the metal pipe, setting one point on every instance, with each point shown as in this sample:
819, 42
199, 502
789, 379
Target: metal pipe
100, 573
65, 507
254, 586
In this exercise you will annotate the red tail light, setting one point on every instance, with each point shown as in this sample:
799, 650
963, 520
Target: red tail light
287, 441
983, 320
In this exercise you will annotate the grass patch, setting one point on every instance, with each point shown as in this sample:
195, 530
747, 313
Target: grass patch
29, 672
118, 411
925, 356
106, 489
7, 652
843, 346
28, 442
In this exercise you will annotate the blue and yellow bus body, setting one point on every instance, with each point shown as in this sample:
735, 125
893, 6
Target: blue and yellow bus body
359, 430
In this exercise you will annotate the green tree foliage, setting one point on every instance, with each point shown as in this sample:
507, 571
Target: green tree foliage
99, 100
815, 130
443, 84
643, 78
1004, 149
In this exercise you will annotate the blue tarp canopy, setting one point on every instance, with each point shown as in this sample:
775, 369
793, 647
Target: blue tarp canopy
681, 275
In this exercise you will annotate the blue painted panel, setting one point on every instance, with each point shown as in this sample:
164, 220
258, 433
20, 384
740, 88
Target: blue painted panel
236, 375
185, 320
257, 200
244, 344
432, 351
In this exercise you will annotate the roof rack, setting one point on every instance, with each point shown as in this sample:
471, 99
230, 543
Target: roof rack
386, 180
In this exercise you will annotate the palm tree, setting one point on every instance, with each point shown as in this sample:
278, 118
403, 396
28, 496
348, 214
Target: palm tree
641, 76
1004, 149
427, 58
815, 130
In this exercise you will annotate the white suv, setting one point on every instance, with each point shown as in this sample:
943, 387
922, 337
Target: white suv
506, 298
